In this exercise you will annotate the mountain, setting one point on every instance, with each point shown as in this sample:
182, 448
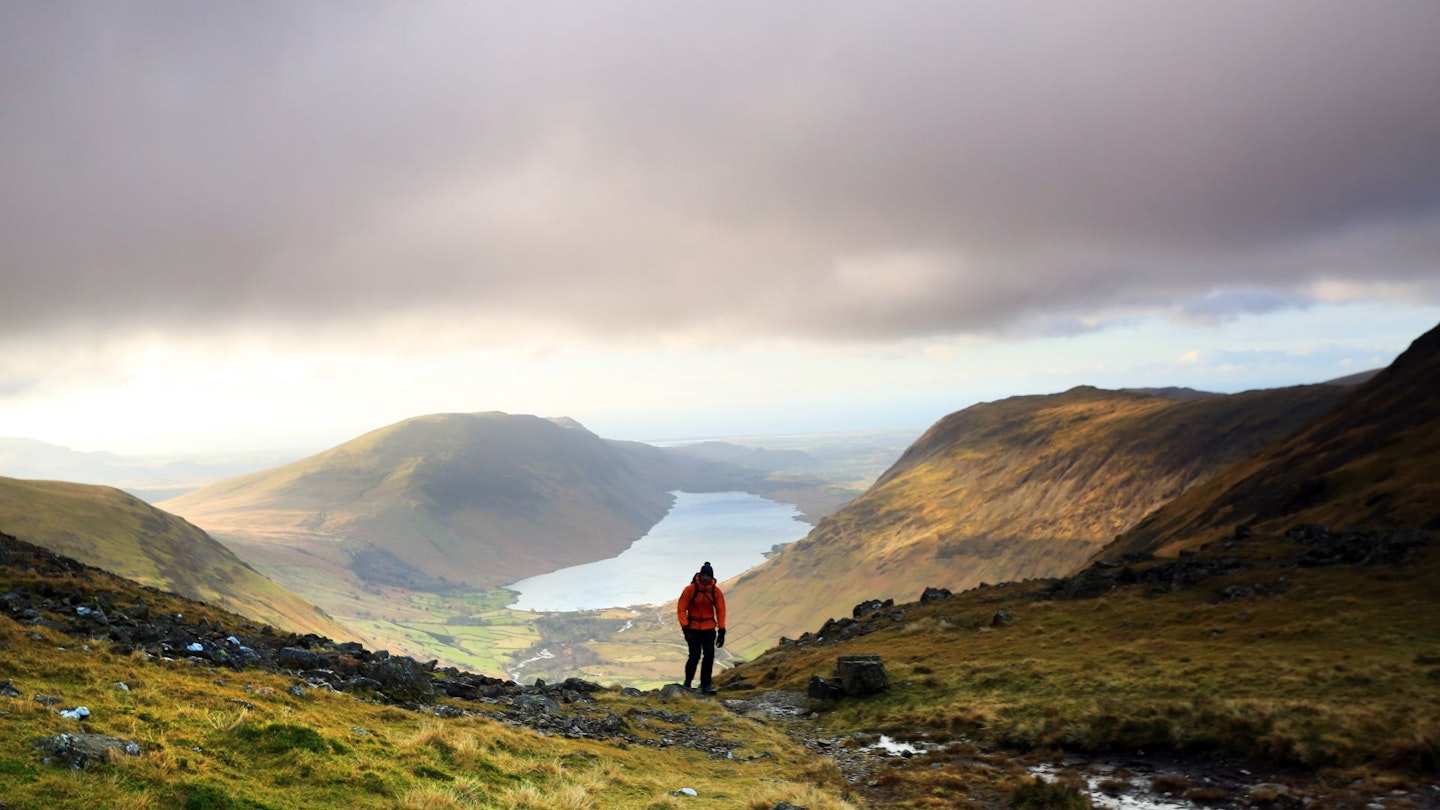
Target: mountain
1023, 487
476, 499
110, 529
1299, 648
1374, 462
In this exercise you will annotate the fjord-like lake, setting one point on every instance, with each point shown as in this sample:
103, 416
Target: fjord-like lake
733, 530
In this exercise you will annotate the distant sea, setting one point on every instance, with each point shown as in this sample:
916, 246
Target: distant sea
732, 530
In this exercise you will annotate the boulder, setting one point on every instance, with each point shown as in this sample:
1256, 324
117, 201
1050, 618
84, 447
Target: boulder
861, 675
81, 751
872, 606
933, 594
823, 689
297, 658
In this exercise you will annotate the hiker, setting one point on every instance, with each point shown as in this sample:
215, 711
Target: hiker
702, 618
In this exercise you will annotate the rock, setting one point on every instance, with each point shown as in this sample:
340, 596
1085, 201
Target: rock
77, 713
861, 675
933, 594
684, 792
872, 606
535, 704
402, 678
1268, 791
81, 751
823, 689
787, 806
1001, 618
6, 690
670, 690
296, 658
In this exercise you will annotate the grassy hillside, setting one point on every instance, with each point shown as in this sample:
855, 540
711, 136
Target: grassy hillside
1023, 487
110, 529
1272, 653
1375, 461
202, 735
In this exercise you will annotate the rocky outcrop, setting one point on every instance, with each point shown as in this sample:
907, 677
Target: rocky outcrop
81, 751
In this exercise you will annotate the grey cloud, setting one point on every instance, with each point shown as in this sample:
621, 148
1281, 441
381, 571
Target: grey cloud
808, 168
1226, 304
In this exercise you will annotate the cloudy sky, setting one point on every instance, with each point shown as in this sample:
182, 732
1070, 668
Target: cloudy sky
279, 225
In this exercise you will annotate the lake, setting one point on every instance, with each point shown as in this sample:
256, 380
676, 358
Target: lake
733, 530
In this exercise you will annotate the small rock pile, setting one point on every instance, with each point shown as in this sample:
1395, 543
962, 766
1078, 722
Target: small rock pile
1160, 578
1327, 547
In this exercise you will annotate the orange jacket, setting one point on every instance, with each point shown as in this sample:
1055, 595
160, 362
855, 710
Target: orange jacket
701, 607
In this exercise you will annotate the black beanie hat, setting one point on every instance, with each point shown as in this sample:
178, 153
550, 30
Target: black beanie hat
707, 571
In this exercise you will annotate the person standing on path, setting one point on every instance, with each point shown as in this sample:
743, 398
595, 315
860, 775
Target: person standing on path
701, 611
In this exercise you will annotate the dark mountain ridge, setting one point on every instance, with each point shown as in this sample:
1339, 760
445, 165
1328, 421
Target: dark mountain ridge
1372, 462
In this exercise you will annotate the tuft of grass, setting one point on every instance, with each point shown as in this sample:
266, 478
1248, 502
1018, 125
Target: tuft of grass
1042, 794
1169, 783
1206, 795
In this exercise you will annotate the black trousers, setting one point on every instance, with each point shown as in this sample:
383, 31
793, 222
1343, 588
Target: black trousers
702, 651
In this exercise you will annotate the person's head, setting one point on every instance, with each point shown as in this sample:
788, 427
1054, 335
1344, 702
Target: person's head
707, 574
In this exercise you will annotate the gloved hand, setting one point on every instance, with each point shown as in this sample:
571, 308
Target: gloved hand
685, 630
720, 638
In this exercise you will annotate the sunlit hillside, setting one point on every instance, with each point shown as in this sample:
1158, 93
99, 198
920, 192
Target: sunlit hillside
1024, 487
107, 528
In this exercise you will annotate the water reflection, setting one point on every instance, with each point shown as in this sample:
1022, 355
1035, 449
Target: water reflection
733, 530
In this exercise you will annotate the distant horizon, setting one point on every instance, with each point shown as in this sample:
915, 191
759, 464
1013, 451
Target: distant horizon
643, 428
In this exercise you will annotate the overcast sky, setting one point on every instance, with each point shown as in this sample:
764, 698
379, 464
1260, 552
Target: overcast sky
279, 225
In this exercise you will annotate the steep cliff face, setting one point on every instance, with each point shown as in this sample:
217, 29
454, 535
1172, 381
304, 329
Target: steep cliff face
1374, 462
1020, 488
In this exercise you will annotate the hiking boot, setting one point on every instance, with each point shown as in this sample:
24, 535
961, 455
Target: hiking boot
709, 690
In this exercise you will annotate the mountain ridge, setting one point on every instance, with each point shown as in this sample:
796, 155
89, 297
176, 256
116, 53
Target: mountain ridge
1371, 462
444, 493
1020, 488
